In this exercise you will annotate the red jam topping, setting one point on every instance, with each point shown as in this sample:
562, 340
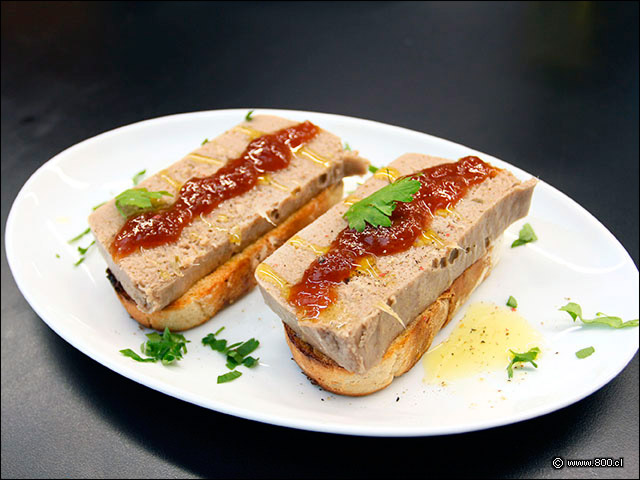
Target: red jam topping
442, 187
268, 153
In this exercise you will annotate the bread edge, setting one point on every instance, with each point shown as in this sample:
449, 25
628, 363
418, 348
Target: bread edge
404, 352
233, 278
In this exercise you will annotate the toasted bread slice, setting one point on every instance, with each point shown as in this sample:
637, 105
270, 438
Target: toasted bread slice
232, 279
404, 352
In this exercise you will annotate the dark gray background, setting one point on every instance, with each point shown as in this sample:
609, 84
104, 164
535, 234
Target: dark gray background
551, 88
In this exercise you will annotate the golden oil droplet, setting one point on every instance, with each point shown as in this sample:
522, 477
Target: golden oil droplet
429, 237
368, 267
164, 174
267, 273
387, 173
204, 159
252, 133
235, 236
350, 200
298, 241
267, 179
312, 155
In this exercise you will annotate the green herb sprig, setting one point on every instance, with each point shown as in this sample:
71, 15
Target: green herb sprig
378, 207
167, 347
373, 169
575, 311
248, 116
526, 235
134, 200
529, 356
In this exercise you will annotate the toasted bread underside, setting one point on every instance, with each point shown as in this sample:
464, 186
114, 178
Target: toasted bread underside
232, 279
403, 353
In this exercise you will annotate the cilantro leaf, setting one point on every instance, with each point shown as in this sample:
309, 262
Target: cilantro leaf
526, 235
135, 199
248, 117
529, 356
377, 207
79, 236
585, 352
373, 169
572, 309
229, 376
575, 311
167, 347
138, 176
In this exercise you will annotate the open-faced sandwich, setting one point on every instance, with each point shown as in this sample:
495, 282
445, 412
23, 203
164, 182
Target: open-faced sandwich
363, 290
186, 241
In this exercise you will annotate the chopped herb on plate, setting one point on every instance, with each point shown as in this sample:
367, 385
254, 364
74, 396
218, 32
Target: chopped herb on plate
575, 311
138, 176
529, 356
166, 346
512, 302
585, 352
526, 235
136, 199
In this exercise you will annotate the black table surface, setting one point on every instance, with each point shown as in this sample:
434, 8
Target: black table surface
551, 88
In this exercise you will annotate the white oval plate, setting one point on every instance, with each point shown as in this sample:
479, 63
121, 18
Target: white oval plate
575, 257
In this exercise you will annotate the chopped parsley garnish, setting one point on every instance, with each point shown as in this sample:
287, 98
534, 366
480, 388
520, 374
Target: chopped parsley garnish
373, 169
138, 176
135, 199
79, 261
347, 147
512, 302
227, 377
585, 352
575, 311
529, 356
378, 207
57, 255
83, 251
78, 237
526, 235
248, 115
98, 206
206, 140
237, 354
167, 347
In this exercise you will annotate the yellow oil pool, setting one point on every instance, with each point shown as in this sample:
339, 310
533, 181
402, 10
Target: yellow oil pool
480, 344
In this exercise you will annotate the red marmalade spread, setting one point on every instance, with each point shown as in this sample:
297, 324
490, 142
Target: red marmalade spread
442, 187
268, 153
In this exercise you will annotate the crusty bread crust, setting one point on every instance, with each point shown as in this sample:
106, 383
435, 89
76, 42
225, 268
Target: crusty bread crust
232, 279
406, 349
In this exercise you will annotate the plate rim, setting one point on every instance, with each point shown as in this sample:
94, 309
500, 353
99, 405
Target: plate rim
164, 387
